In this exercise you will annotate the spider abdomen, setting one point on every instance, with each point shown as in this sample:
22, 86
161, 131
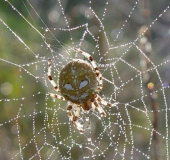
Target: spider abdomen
77, 81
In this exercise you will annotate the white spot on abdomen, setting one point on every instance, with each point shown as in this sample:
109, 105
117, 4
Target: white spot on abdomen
84, 95
73, 97
83, 84
68, 87
74, 81
73, 71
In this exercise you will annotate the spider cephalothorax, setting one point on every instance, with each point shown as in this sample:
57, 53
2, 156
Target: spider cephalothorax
79, 83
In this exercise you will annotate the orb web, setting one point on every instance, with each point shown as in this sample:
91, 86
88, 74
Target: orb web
128, 41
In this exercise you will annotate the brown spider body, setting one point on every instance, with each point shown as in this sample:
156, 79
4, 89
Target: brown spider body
77, 82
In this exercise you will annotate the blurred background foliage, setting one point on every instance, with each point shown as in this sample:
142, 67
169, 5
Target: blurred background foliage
22, 96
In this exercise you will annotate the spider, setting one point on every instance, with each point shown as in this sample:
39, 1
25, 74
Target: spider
79, 83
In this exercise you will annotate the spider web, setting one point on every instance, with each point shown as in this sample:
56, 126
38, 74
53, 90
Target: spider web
130, 44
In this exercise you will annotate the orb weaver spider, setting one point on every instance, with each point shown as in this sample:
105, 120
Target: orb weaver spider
79, 83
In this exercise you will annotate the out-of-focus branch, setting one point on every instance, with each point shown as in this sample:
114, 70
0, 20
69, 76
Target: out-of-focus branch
146, 48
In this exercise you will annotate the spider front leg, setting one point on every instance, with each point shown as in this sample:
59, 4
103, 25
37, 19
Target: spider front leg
96, 69
50, 77
56, 96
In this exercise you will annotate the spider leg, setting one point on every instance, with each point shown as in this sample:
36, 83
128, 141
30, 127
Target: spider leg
69, 108
56, 96
102, 101
99, 108
98, 74
50, 77
77, 111
74, 118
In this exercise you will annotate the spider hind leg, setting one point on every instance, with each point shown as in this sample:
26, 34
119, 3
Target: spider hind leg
100, 109
74, 117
